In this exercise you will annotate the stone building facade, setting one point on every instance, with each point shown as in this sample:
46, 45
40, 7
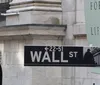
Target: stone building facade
43, 22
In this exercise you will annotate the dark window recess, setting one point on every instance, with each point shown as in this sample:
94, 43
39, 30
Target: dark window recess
5, 1
4, 6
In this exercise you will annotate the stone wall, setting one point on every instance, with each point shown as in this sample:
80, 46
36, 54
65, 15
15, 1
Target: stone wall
13, 53
14, 72
73, 16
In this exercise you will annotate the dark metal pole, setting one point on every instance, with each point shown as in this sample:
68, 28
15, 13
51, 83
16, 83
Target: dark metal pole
0, 75
93, 83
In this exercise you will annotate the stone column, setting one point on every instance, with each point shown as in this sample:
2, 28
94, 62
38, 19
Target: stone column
34, 11
79, 26
68, 7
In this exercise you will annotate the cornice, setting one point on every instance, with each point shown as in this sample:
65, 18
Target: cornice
37, 5
33, 29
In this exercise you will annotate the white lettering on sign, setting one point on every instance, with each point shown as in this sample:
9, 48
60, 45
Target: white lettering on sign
40, 56
35, 56
71, 54
53, 58
46, 57
62, 60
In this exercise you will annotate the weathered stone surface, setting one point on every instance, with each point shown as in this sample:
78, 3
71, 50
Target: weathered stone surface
12, 47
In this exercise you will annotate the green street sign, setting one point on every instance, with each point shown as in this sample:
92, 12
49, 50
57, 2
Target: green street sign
92, 18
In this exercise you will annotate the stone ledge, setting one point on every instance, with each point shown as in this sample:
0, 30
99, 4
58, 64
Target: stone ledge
79, 29
35, 8
31, 37
35, 5
36, 1
33, 29
39, 25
